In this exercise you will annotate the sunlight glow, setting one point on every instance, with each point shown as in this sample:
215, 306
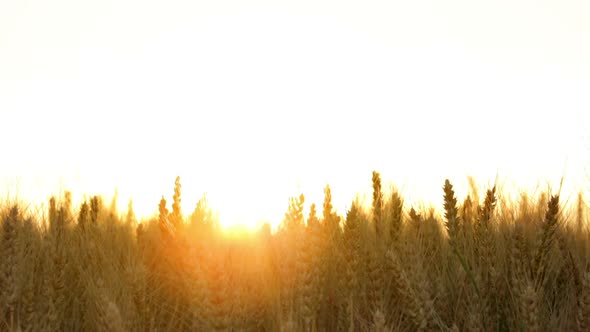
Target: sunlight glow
253, 104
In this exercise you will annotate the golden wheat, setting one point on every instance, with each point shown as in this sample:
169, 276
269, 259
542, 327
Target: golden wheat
501, 266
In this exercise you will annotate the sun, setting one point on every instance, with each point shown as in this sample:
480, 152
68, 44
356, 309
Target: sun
244, 206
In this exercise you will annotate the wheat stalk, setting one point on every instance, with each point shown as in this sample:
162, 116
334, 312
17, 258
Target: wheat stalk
583, 305
547, 238
451, 215
529, 309
410, 302
8, 278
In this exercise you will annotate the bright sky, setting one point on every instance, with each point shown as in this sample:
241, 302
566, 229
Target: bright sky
256, 101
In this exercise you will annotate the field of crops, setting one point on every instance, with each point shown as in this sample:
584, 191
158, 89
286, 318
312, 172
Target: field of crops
484, 263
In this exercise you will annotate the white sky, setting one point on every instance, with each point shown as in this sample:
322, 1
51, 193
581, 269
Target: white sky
255, 101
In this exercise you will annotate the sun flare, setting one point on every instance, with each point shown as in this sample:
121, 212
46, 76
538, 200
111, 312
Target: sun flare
257, 104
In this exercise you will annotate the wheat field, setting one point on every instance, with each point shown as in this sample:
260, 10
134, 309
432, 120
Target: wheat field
483, 263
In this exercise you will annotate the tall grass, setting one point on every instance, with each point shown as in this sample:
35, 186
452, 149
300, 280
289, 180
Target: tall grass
488, 265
